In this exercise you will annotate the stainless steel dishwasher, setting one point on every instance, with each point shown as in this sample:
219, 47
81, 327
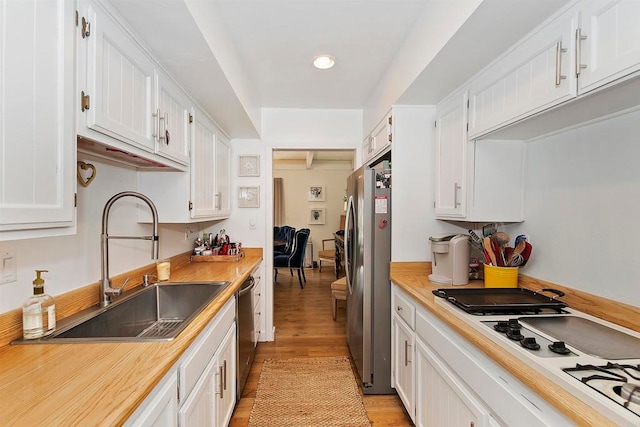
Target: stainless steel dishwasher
246, 334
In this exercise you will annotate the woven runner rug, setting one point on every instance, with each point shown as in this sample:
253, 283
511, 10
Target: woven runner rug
308, 392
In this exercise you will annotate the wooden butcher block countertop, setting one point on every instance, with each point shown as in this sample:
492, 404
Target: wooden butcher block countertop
413, 279
103, 383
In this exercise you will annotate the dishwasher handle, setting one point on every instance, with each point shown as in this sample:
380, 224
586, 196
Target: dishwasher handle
247, 286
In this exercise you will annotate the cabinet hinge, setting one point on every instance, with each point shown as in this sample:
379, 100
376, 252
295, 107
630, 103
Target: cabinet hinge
390, 137
190, 118
75, 200
435, 124
77, 18
86, 28
467, 126
467, 104
390, 120
190, 206
85, 101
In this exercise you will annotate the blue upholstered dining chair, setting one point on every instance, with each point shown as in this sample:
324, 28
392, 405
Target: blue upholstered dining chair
294, 260
284, 233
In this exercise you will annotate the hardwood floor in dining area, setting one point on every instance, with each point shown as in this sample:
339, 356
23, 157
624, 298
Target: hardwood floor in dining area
305, 328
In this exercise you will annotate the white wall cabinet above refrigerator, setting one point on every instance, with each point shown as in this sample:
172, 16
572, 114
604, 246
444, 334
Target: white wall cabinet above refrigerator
379, 139
202, 193
37, 141
127, 104
476, 181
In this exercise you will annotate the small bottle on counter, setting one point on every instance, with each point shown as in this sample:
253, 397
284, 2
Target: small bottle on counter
38, 312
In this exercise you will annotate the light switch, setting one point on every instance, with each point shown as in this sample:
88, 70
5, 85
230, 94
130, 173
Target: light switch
252, 224
8, 267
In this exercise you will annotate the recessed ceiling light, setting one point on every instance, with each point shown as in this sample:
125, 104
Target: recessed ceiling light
324, 62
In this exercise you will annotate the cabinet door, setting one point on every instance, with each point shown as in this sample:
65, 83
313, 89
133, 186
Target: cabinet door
161, 408
173, 106
226, 390
538, 74
403, 369
381, 136
119, 82
441, 398
451, 157
202, 167
37, 139
609, 47
222, 175
199, 409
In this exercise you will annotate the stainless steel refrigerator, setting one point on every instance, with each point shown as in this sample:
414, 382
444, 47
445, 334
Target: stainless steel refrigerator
367, 258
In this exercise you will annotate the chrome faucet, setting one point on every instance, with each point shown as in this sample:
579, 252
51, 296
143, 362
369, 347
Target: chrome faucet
106, 291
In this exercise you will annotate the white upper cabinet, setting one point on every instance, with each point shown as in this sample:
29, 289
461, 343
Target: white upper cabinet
537, 74
223, 175
171, 115
130, 111
37, 141
379, 139
608, 46
202, 193
475, 180
120, 79
450, 157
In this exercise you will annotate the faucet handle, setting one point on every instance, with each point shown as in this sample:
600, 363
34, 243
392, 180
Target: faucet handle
121, 288
145, 279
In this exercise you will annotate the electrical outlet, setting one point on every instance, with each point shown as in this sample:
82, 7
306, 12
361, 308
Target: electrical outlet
187, 233
8, 267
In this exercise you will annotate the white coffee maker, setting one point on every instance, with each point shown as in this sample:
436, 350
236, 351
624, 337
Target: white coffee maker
450, 259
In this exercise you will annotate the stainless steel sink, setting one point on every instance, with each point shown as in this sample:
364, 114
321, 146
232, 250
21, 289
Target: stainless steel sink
155, 313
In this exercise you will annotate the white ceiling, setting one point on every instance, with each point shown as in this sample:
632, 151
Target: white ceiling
278, 39
238, 56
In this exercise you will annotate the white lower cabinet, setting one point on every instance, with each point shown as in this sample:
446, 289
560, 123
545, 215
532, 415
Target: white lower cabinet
455, 384
441, 398
201, 388
403, 363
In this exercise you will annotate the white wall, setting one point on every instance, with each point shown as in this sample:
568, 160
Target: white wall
74, 261
296, 184
437, 24
582, 200
246, 225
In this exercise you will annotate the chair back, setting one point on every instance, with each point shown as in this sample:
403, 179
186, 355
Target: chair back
299, 247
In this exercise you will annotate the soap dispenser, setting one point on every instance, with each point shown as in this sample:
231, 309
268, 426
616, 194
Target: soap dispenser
39, 311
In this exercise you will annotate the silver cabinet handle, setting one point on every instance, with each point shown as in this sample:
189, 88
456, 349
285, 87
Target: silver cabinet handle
559, 51
224, 381
217, 201
406, 352
579, 39
456, 187
221, 387
157, 131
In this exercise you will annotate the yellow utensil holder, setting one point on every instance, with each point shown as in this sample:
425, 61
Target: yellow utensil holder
500, 277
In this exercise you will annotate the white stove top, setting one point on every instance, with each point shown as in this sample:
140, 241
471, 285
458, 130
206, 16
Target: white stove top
603, 394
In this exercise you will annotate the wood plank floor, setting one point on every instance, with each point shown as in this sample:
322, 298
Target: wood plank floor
304, 328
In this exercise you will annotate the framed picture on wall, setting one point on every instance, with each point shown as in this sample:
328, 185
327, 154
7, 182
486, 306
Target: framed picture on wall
316, 193
248, 197
249, 166
316, 216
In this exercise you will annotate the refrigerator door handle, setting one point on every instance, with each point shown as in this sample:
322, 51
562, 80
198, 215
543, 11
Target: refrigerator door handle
347, 244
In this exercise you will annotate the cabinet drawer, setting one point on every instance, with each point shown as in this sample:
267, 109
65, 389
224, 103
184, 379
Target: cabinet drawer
201, 351
403, 308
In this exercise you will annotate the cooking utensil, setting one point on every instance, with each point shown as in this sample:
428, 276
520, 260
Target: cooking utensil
498, 299
489, 250
475, 240
526, 253
497, 250
489, 229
